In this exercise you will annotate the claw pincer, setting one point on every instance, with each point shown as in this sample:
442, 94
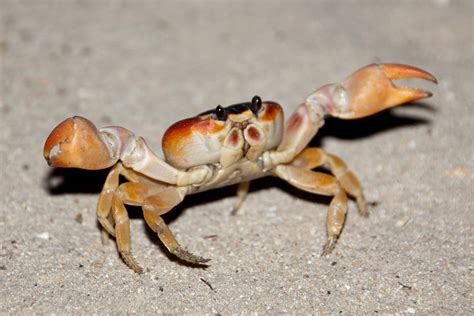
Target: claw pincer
224, 146
370, 90
365, 92
76, 143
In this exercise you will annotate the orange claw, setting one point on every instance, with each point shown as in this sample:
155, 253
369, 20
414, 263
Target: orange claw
370, 90
76, 143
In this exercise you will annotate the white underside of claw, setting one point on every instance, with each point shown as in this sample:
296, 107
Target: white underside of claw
54, 151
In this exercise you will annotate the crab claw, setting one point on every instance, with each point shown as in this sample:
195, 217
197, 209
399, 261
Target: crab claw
370, 90
76, 143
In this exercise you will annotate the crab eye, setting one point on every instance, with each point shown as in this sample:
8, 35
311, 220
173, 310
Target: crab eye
256, 104
221, 113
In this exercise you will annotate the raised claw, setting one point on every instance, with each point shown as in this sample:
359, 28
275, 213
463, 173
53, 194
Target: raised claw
76, 143
370, 90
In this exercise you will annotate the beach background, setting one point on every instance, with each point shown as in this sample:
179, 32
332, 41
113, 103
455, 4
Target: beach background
146, 64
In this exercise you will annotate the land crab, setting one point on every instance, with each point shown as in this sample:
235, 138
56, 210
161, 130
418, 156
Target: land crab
225, 146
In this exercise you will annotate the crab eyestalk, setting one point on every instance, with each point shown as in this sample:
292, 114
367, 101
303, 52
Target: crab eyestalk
370, 90
76, 143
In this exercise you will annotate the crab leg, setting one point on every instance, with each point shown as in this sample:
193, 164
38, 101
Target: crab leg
335, 219
122, 232
311, 158
324, 184
367, 91
104, 203
242, 190
155, 221
155, 201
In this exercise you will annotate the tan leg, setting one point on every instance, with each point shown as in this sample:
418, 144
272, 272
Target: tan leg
242, 190
314, 157
122, 232
166, 236
320, 183
156, 201
104, 234
105, 199
335, 220
105, 202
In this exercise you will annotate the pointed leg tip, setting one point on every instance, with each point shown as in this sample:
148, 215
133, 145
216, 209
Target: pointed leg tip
235, 212
326, 251
362, 207
204, 260
329, 246
189, 257
132, 263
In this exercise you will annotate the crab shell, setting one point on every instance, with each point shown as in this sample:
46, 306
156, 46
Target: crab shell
203, 139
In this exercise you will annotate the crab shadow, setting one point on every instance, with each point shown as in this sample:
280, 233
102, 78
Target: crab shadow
66, 181
371, 125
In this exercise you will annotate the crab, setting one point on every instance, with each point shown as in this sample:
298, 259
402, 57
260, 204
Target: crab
226, 146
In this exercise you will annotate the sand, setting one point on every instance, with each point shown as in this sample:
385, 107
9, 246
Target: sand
144, 65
